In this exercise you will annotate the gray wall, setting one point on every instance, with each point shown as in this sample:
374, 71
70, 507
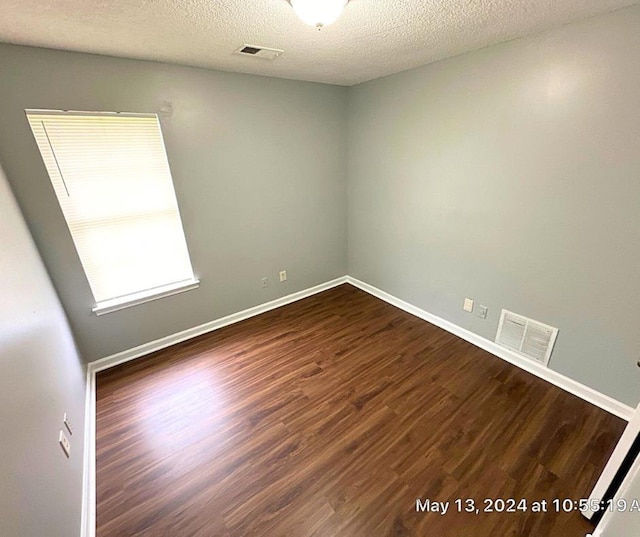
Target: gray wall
511, 175
41, 378
259, 166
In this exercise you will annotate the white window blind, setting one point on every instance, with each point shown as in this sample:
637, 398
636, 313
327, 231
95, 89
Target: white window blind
112, 179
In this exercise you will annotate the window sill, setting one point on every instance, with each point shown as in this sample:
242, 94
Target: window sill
115, 304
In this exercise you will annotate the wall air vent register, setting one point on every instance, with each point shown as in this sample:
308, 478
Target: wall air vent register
529, 338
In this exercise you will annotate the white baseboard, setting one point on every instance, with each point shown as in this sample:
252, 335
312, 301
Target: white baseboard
88, 521
572, 386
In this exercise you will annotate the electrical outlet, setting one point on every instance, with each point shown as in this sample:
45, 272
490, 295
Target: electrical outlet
265, 282
468, 305
482, 312
65, 444
283, 275
67, 423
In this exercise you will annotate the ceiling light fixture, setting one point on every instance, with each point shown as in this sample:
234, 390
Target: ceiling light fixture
318, 13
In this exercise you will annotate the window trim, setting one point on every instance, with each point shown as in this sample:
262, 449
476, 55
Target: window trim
134, 299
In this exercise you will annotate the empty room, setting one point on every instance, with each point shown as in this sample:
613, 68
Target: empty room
320, 268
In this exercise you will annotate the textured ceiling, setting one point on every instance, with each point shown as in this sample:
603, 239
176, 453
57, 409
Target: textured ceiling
373, 38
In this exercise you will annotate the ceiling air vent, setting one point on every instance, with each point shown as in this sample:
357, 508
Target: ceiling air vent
526, 336
254, 51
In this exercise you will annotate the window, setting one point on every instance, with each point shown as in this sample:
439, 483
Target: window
111, 176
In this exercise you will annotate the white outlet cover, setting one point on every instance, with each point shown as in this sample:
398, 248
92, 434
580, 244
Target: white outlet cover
283, 275
468, 305
65, 444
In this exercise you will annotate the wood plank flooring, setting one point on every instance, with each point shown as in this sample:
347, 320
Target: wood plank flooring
330, 417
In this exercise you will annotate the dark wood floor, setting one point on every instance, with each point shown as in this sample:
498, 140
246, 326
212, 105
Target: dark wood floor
330, 417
